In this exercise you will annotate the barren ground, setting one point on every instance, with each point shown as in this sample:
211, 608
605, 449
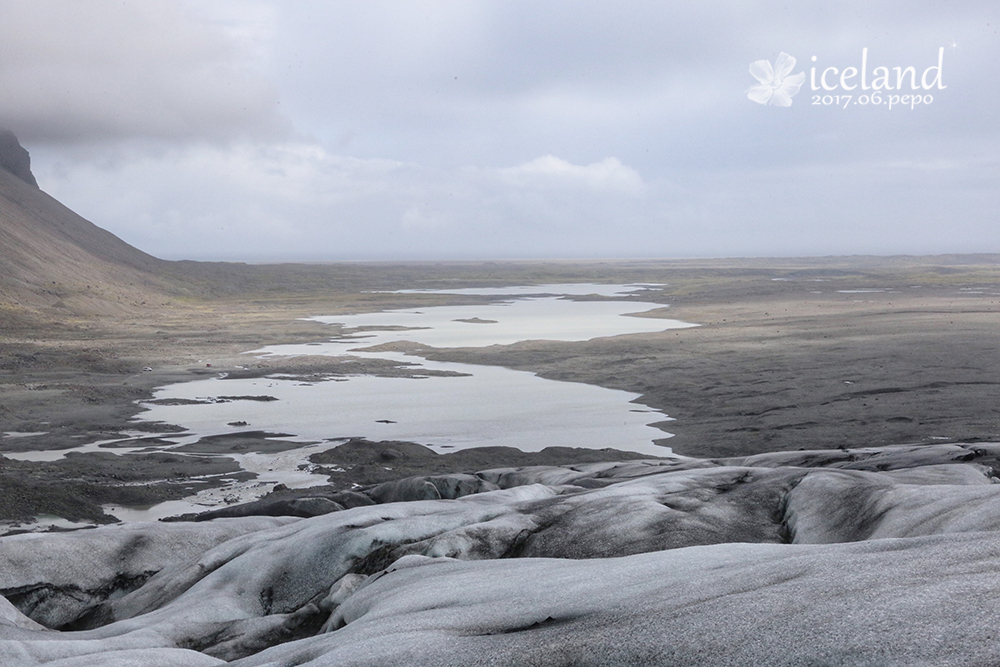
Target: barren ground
806, 361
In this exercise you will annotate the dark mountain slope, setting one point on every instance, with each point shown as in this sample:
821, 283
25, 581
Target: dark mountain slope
51, 257
54, 263
14, 158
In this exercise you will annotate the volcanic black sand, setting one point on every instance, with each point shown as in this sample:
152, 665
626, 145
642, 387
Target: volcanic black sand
790, 354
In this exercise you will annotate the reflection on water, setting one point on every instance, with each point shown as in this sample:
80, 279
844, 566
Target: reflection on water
477, 406
487, 406
473, 406
501, 323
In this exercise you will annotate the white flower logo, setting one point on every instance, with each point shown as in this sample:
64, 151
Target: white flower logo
775, 87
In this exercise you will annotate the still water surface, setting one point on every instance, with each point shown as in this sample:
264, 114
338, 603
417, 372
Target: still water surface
476, 406
472, 407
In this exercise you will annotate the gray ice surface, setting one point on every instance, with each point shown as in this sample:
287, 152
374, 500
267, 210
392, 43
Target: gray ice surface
677, 562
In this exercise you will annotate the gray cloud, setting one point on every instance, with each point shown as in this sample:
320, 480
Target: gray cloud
298, 201
102, 70
466, 128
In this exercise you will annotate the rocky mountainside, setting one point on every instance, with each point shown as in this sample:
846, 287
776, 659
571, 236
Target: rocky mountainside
55, 264
54, 261
14, 158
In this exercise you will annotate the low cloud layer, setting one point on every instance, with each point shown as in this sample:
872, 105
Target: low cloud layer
108, 71
455, 129
298, 201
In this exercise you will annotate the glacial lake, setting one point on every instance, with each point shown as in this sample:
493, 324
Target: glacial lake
473, 406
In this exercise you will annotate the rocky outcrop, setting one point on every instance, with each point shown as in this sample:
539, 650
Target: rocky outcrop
432, 487
300, 507
661, 562
14, 158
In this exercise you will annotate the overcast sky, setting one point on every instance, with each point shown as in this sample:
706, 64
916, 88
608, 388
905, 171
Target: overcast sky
267, 130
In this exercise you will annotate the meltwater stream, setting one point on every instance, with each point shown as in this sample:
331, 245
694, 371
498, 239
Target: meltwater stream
471, 406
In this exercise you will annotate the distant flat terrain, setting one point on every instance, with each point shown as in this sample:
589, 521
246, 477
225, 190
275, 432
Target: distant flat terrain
790, 354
